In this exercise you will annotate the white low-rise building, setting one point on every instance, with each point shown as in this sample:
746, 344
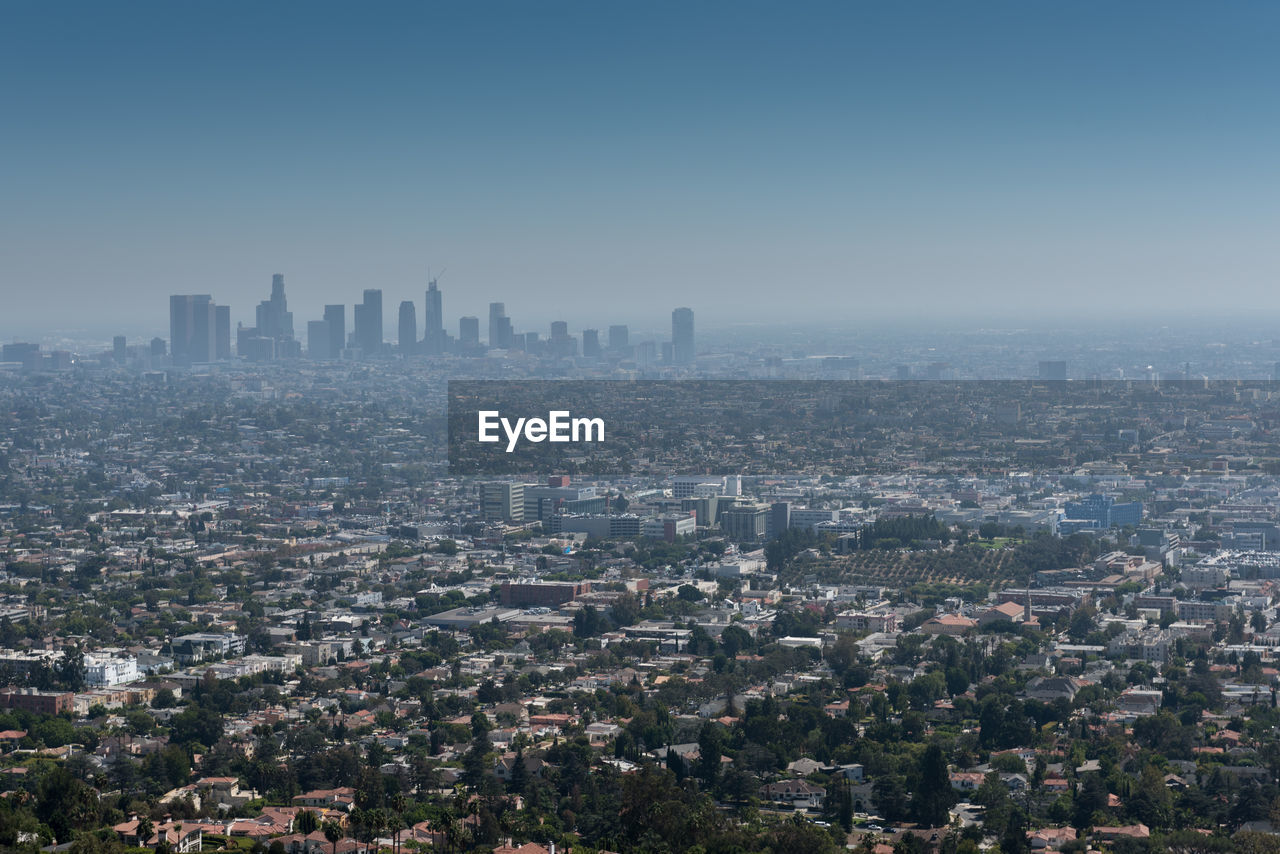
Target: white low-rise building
107, 671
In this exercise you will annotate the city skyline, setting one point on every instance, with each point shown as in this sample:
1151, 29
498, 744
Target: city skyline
200, 331
991, 162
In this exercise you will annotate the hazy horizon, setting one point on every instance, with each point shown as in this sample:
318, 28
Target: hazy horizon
929, 163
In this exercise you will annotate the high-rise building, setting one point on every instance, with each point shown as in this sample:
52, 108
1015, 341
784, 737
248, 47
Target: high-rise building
254, 347
469, 333
500, 331
618, 338
119, 349
646, 353
682, 336
497, 311
408, 328
336, 317
433, 334
272, 335
745, 524
222, 332
591, 343
779, 519
192, 328
273, 316
502, 502
562, 344
369, 322
319, 340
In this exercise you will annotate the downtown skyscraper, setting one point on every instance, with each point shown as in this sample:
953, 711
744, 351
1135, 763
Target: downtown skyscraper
407, 339
434, 338
273, 316
196, 329
682, 336
500, 332
368, 322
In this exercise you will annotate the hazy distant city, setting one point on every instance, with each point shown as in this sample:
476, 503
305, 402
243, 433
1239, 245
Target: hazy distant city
202, 335
558, 427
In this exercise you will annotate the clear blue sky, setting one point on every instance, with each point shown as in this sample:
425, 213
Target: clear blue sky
607, 161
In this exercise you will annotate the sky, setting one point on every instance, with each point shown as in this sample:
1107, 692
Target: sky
604, 162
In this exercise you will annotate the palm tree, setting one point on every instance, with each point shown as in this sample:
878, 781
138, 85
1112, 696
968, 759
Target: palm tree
146, 828
452, 831
375, 822
399, 803
333, 832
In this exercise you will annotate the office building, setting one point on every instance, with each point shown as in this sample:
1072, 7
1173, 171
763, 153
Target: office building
618, 336
408, 328
273, 316
469, 333
745, 523
192, 328
591, 343
336, 317
698, 485
646, 354
705, 509
368, 322
779, 519
119, 349
254, 347
669, 527
502, 502
433, 334
222, 332
559, 498
500, 331
600, 526
19, 351
682, 336
319, 340
541, 594
272, 335
1102, 511
562, 343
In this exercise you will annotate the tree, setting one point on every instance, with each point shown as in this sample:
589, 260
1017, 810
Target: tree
1090, 798
1150, 800
307, 822
519, 773
689, 593
993, 795
333, 833
710, 745
71, 669
890, 797
399, 803
146, 829
934, 795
